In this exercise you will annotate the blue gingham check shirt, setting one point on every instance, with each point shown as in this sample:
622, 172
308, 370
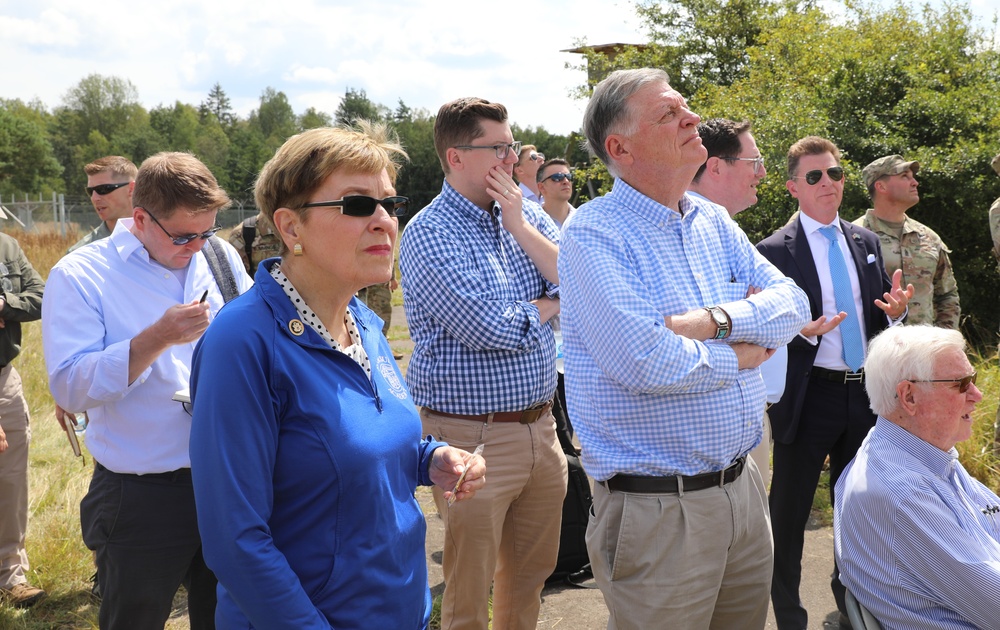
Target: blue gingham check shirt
643, 400
917, 539
479, 343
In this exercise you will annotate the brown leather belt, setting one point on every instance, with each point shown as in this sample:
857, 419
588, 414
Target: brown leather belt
524, 417
669, 485
837, 376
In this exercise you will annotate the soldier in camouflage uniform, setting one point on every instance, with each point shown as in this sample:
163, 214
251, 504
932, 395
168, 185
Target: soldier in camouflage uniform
995, 215
264, 244
910, 245
995, 232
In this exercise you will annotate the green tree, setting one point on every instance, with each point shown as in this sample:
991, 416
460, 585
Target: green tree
420, 179
274, 119
217, 105
355, 105
179, 126
312, 118
27, 162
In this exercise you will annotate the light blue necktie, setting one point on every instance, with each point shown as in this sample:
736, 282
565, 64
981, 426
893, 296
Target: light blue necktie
850, 330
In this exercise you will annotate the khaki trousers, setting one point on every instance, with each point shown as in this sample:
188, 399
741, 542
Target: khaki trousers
761, 453
508, 534
695, 560
13, 479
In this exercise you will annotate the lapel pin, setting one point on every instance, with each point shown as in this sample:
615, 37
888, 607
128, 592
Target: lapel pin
296, 327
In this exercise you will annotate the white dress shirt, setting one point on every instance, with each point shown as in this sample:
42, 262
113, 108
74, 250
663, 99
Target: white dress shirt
96, 300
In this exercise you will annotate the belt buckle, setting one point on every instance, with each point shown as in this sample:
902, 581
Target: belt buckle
854, 377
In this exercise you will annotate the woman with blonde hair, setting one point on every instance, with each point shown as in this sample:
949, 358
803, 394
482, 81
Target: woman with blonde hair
305, 445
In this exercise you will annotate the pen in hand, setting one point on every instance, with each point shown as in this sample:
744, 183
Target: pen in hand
204, 296
461, 478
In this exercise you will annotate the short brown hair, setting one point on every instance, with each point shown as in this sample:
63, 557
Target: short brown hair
114, 164
458, 123
810, 145
168, 181
304, 162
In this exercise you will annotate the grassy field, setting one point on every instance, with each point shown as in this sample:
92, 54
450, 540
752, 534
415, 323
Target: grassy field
62, 565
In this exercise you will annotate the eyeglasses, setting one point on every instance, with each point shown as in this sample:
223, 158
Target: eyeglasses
540, 157
836, 173
557, 177
502, 150
365, 206
104, 189
187, 238
758, 163
963, 383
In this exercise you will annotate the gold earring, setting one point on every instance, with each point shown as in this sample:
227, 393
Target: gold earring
297, 249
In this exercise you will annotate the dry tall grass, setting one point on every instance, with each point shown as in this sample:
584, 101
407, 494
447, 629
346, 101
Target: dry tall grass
62, 565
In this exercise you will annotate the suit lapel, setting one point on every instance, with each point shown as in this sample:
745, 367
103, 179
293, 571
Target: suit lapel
800, 252
860, 254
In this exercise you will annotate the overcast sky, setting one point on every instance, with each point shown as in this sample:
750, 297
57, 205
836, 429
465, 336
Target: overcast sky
425, 52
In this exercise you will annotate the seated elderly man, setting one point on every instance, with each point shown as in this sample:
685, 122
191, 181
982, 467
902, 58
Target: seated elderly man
917, 539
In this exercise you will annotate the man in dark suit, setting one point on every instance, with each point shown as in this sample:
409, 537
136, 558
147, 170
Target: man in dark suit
824, 410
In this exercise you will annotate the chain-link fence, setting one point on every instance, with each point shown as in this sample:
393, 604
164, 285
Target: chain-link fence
66, 213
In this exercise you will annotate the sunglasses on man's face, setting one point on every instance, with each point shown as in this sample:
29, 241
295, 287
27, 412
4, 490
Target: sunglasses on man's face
558, 177
185, 238
536, 157
365, 206
812, 178
104, 189
964, 383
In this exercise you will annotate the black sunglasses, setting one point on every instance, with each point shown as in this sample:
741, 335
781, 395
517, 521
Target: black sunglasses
963, 383
104, 189
187, 238
364, 206
836, 173
557, 177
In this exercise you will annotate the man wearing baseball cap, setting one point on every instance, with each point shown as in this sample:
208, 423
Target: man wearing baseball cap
910, 245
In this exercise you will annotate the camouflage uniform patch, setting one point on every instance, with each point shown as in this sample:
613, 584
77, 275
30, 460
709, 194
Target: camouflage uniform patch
266, 243
923, 257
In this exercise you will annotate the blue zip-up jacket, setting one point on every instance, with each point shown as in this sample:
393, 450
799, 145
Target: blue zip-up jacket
304, 472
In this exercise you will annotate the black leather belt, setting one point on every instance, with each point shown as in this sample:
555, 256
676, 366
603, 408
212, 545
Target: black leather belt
527, 416
671, 485
838, 377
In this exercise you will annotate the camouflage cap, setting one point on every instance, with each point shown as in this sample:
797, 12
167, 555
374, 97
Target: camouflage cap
995, 163
888, 165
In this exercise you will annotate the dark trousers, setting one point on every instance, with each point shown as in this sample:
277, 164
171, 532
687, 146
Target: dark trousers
835, 419
144, 531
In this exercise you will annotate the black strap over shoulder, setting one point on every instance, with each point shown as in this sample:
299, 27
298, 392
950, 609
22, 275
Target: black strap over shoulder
249, 234
215, 254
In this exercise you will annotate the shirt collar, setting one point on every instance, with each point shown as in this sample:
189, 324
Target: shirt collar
937, 461
811, 225
647, 208
125, 242
461, 205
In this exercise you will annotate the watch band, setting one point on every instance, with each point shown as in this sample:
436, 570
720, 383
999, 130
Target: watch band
721, 320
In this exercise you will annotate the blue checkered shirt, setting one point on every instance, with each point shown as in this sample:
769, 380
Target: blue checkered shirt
643, 400
467, 285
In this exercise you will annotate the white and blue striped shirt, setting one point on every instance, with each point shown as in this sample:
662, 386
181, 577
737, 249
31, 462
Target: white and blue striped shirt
643, 400
479, 343
916, 538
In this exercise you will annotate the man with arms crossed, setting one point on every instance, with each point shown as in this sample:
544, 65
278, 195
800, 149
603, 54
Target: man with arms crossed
916, 538
667, 312
121, 320
910, 245
479, 287
824, 410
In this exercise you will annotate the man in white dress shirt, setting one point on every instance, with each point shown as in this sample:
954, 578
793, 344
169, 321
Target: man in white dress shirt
121, 319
